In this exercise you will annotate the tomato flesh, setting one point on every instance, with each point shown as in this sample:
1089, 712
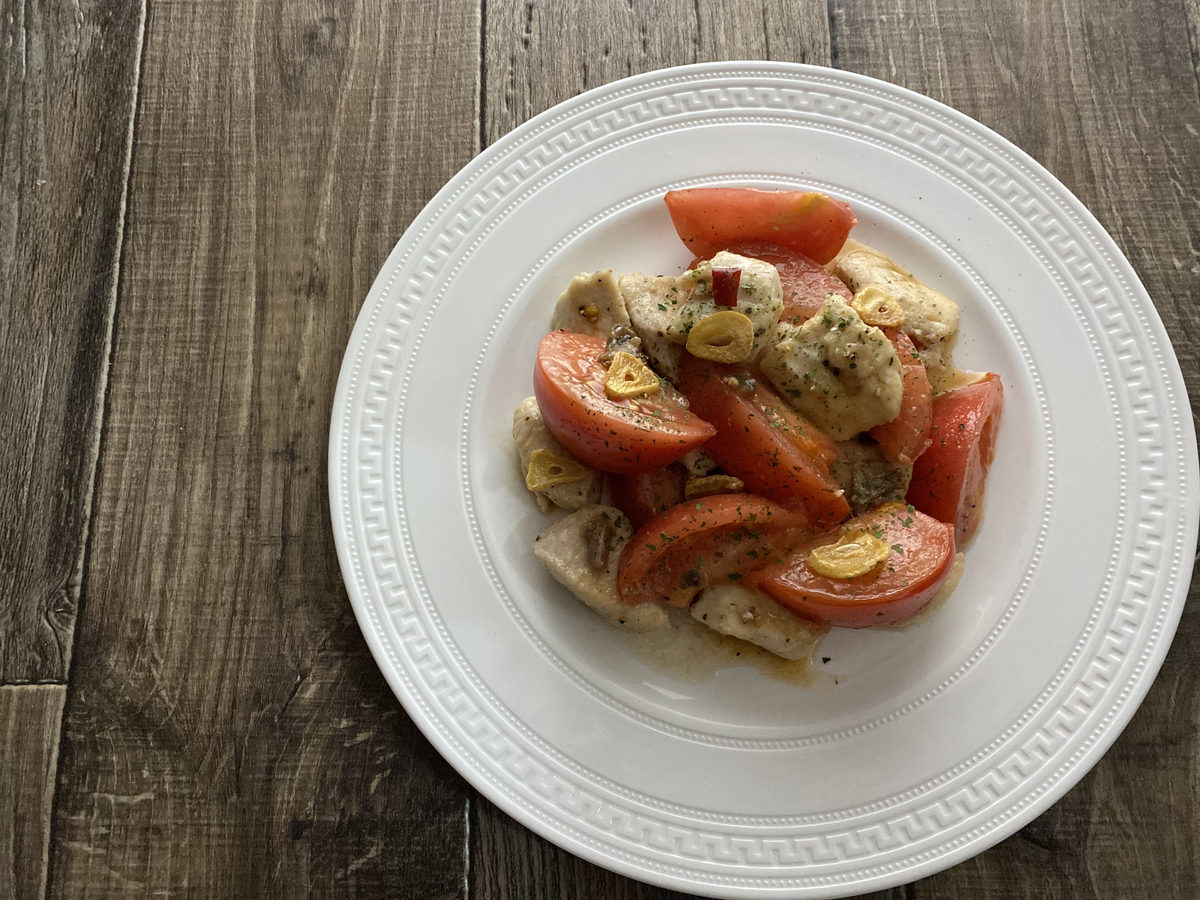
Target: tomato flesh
948, 478
920, 558
643, 495
702, 542
712, 219
634, 435
908, 435
760, 439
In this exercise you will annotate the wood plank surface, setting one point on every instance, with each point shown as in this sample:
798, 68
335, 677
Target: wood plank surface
29, 720
226, 731
67, 82
1104, 95
534, 56
68, 74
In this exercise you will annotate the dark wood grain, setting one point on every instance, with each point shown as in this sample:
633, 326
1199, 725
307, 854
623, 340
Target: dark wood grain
508, 863
534, 56
68, 75
67, 82
1105, 96
29, 720
226, 732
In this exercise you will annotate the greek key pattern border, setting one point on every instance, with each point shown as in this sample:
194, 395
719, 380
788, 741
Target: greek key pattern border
922, 824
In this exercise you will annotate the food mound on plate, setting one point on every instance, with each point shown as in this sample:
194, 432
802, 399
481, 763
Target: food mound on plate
776, 439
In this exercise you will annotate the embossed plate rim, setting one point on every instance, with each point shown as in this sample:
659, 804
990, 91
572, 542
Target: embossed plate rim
367, 608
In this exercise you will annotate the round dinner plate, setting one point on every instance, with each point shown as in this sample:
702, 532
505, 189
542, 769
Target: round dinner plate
908, 749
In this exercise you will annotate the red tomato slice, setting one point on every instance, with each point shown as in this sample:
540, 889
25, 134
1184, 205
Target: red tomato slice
702, 542
643, 495
711, 219
760, 439
905, 437
805, 284
922, 552
634, 435
948, 478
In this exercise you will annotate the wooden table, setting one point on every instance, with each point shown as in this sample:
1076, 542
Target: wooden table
194, 199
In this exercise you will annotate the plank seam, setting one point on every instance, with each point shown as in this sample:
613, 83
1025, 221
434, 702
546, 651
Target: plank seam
104, 395
102, 387
831, 13
481, 83
1193, 43
466, 871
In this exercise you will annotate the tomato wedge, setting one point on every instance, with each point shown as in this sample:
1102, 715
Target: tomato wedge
634, 435
948, 478
905, 437
805, 283
702, 542
760, 439
711, 219
643, 495
921, 553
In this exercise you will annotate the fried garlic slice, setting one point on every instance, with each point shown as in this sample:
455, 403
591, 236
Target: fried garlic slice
629, 377
724, 337
855, 553
877, 307
546, 469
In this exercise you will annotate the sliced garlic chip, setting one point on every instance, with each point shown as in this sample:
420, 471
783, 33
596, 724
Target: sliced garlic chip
629, 377
725, 337
547, 469
877, 307
711, 484
855, 553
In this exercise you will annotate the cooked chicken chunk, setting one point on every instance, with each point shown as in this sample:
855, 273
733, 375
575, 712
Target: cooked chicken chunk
759, 298
930, 317
582, 552
698, 463
591, 304
839, 371
652, 302
530, 433
753, 616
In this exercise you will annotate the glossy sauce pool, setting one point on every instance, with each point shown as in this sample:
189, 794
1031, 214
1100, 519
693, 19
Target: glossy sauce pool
691, 651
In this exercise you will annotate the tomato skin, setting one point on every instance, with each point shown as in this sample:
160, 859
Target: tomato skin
643, 495
908, 435
711, 219
896, 589
634, 435
761, 440
702, 542
948, 478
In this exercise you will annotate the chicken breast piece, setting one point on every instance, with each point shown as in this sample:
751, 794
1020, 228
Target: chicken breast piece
840, 372
698, 463
591, 304
529, 434
582, 552
652, 302
930, 317
759, 297
753, 616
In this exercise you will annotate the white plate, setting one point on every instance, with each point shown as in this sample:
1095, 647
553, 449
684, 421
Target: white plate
915, 748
